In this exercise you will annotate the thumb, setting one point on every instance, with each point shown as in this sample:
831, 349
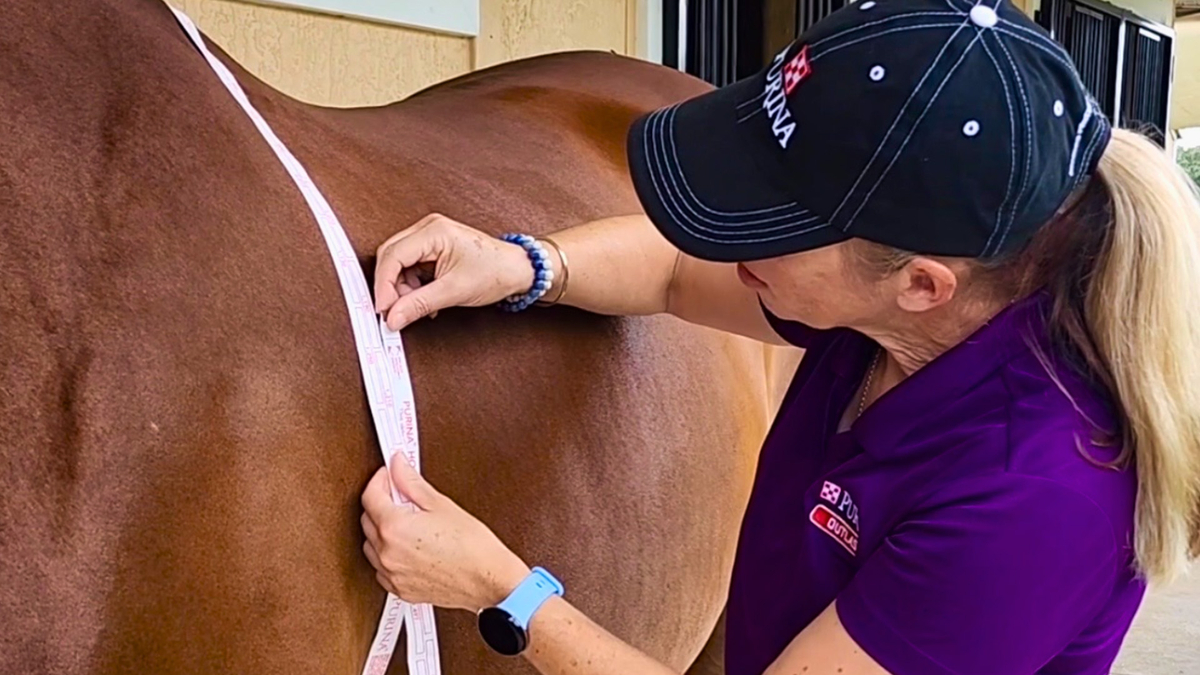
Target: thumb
419, 303
412, 486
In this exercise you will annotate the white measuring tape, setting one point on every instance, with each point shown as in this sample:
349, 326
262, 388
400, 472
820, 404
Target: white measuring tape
385, 374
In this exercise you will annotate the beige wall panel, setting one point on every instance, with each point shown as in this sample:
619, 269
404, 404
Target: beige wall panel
329, 60
1185, 103
511, 29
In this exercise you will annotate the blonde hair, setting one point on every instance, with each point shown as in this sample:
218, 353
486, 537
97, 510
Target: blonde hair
1145, 321
1122, 262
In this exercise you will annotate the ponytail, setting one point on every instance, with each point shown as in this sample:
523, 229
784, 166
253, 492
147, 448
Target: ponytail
1141, 309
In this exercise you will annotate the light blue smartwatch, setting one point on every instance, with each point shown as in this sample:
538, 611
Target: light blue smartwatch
505, 627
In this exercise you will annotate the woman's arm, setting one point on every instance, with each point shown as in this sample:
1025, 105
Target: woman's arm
617, 266
623, 266
566, 642
440, 554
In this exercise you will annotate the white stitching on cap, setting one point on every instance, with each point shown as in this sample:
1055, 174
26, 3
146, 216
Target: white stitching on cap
1039, 36
1091, 148
1028, 137
695, 228
673, 160
896, 121
1053, 50
1041, 44
1050, 47
1012, 155
888, 19
756, 99
816, 56
1087, 116
750, 114
911, 130
1087, 156
660, 134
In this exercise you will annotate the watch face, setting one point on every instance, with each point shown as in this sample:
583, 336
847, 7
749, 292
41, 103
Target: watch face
500, 633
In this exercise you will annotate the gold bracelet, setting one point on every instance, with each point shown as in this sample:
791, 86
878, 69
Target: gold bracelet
566, 273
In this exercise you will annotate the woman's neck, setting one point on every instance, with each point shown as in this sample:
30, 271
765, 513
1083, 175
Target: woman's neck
912, 341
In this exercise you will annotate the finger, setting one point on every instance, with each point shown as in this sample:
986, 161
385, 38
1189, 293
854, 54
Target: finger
369, 530
382, 579
412, 485
422, 302
415, 227
411, 279
372, 556
377, 497
401, 254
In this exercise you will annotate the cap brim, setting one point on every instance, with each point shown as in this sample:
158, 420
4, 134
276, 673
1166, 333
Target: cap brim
704, 183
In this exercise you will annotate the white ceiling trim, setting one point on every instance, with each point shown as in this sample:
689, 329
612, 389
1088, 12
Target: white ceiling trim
456, 17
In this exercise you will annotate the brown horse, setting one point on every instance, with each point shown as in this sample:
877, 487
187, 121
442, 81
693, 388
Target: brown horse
185, 432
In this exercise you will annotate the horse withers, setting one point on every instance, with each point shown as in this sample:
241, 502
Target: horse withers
185, 435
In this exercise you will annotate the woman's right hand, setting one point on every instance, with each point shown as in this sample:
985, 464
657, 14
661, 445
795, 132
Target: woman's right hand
469, 269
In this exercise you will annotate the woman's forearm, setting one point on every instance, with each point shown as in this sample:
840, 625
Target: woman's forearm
618, 266
623, 266
563, 641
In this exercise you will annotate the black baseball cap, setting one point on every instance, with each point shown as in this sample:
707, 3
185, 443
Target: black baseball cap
943, 127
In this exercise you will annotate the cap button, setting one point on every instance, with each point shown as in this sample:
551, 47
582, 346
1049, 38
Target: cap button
984, 16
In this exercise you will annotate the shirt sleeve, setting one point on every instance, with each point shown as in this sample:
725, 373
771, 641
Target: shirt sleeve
794, 332
995, 580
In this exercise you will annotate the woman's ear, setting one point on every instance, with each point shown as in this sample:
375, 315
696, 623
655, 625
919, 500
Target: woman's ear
925, 284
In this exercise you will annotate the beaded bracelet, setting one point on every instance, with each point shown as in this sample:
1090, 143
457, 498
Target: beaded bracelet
543, 273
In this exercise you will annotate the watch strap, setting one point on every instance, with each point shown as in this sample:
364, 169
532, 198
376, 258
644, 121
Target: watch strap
529, 595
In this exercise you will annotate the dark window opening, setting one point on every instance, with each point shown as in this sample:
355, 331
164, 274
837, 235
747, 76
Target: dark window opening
1147, 74
726, 40
1124, 60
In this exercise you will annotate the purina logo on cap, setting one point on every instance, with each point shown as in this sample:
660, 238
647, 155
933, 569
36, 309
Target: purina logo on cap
781, 81
796, 70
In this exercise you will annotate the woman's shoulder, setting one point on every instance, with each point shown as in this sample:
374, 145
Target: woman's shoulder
1063, 431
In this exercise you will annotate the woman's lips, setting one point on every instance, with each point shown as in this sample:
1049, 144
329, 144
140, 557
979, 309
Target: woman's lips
747, 277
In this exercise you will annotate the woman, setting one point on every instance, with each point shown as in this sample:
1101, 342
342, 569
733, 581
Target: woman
993, 441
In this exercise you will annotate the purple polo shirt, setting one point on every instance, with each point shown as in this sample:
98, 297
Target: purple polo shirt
957, 522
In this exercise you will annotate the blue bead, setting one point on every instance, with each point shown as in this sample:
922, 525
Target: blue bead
539, 259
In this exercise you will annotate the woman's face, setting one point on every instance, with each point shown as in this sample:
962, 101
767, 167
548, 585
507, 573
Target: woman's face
818, 287
832, 286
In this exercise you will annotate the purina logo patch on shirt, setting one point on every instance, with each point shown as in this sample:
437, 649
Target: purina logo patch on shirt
796, 70
841, 524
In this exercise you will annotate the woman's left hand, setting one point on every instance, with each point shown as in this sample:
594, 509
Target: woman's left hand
436, 553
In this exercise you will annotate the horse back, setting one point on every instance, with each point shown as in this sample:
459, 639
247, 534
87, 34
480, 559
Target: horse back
185, 431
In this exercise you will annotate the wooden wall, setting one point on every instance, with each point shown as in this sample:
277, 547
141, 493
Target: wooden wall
332, 60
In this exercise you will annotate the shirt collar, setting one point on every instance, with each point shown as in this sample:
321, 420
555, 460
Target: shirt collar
884, 428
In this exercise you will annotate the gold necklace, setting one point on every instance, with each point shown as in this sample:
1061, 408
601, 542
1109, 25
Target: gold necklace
862, 401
